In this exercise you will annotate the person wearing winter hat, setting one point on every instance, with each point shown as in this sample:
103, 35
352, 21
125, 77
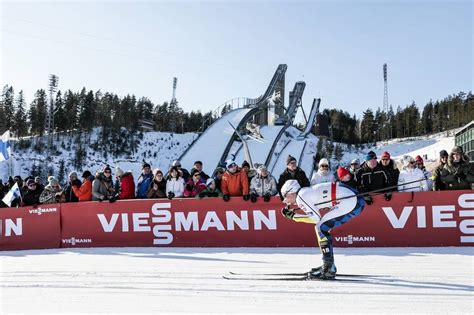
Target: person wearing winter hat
419, 163
158, 185
436, 178
103, 186
345, 177
390, 168
195, 185
263, 185
211, 190
52, 192
292, 171
458, 173
125, 184
68, 192
323, 175
144, 181
84, 192
234, 182
32, 196
218, 173
411, 178
371, 176
354, 167
310, 201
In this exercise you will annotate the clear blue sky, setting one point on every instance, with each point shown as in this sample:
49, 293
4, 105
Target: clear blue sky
221, 50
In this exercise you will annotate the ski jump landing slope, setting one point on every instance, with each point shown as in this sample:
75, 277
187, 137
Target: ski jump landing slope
259, 150
209, 147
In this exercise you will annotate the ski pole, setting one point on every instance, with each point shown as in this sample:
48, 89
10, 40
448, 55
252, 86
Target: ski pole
370, 192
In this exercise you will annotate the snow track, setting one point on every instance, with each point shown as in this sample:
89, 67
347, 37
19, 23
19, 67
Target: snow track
176, 280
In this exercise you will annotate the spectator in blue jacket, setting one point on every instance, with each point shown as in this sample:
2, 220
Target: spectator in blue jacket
144, 181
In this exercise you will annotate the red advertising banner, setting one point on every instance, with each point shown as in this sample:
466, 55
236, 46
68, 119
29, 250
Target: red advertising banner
420, 219
30, 228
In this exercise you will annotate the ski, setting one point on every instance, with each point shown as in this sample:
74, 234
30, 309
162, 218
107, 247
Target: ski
297, 274
289, 278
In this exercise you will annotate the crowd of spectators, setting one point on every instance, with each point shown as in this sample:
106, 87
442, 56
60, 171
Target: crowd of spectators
382, 175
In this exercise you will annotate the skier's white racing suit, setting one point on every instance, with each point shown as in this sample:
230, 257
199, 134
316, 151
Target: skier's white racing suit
325, 195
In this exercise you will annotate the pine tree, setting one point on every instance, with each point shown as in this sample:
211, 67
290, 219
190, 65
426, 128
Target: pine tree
37, 113
367, 126
8, 97
61, 172
60, 114
21, 127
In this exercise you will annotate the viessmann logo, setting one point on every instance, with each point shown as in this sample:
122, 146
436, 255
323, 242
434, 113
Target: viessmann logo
351, 239
161, 218
73, 241
40, 210
442, 216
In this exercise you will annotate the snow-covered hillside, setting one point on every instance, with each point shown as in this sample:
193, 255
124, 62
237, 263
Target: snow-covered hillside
157, 148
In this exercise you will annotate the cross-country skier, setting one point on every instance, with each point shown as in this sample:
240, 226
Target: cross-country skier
343, 204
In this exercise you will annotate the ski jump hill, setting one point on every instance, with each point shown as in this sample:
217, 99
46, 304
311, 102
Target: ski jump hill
258, 130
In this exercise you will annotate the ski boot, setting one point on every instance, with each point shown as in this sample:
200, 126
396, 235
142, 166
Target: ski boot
325, 272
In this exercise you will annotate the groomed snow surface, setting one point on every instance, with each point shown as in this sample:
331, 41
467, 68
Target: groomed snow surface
189, 280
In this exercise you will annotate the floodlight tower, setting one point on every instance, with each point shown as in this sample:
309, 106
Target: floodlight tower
385, 101
385, 91
175, 83
53, 86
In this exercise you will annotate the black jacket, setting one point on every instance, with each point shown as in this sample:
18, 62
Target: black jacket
31, 197
458, 175
392, 173
371, 179
437, 182
68, 193
299, 175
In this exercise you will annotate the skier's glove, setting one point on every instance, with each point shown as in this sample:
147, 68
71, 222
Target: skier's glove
170, 195
253, 197
368, 200
267, 197
246, 197
226, 197
189, 187
388, 196
287, 213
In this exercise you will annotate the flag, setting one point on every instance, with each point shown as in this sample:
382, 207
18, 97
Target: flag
12, 195
5, 149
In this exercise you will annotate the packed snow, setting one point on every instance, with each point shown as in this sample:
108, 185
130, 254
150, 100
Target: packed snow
189, 280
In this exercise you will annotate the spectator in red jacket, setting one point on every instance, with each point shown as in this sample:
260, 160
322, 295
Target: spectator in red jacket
127, 184
194, 185
235, 182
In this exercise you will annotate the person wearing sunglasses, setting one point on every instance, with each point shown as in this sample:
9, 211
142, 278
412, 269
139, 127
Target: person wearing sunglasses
411, 178
419, 163
327, 206
371, 176
458, 173
103, 186
32, 196
323, 175
194, 185
234, 182
52, 193
390, 168
437, 182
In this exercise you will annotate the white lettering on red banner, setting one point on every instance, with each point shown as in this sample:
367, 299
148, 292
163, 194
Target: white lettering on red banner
9, 227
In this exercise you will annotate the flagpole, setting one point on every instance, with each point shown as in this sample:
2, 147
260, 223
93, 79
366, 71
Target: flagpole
10, 160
